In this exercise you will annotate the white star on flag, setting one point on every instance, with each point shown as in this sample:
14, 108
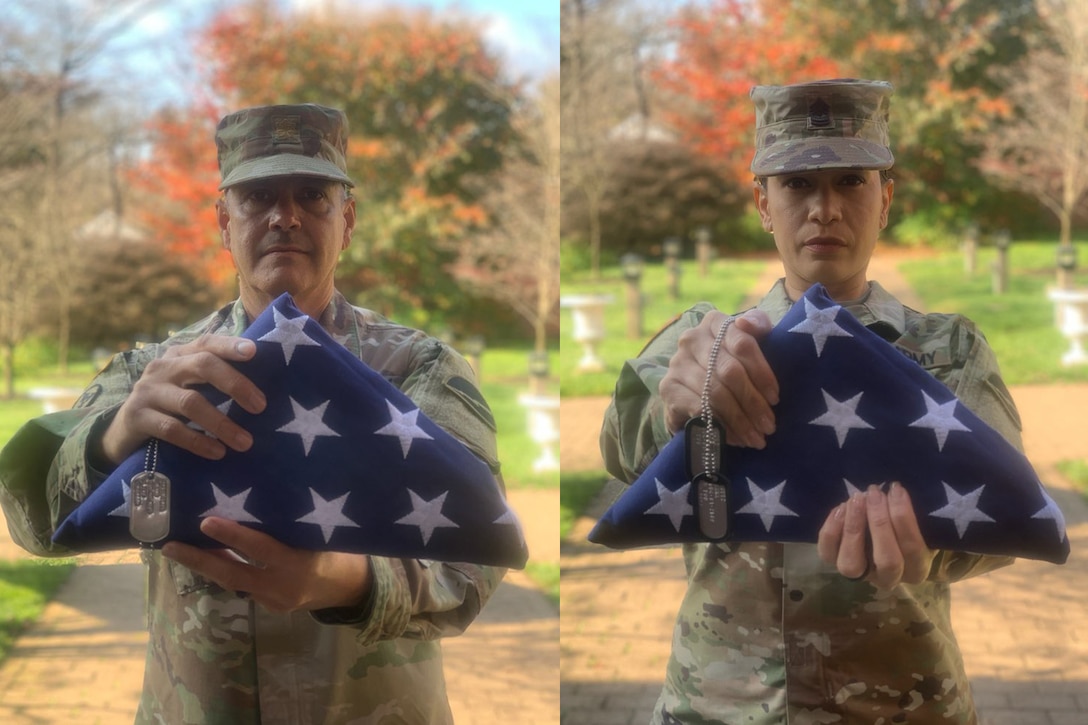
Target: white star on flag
329, 515
963, 509
231, 507
864, 385
820, 323
851, 489
308, 424
508, 518
766, 504
673, 504
427, 515
941, 418
124, 509
223, 408
321, 394
290, 333
1052, 512
404, 427
841, 415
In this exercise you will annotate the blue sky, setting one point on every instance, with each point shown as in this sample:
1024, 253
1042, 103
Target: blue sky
524, 32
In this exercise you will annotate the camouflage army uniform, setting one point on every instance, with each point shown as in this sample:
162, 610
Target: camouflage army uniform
215, 657
767, 633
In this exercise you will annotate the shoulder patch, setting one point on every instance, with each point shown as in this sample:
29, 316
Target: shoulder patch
470, 396
89, 396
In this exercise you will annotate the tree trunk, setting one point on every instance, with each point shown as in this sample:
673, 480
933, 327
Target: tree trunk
594, 207
7, 365
64, 336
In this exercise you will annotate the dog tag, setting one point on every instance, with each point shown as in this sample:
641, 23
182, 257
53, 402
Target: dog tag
149, 512
712, 498
704, 456
704, 447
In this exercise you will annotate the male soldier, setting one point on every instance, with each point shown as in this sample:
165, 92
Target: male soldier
836, 632
318, 637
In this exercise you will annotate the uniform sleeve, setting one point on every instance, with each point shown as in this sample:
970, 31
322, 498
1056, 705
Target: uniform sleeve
976, 381
46, 469
429, 599
634, 427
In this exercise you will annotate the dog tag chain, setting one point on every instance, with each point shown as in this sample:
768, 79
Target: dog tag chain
705, 436
149, 512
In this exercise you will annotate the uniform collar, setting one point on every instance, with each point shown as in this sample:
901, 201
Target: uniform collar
876, 308
338, 319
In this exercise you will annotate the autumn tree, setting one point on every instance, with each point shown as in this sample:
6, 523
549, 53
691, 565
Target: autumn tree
1041, 146
722, 49
516, 260
428, 117
176, 188
658, 188
939, 55
605, 46
141, 291
21, 281
57, 43
935, 52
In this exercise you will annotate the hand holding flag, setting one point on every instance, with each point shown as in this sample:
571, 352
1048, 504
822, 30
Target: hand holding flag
853, 412
341, 460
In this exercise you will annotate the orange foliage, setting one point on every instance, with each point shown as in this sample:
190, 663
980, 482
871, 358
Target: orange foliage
178, 184
722, 50
427, 105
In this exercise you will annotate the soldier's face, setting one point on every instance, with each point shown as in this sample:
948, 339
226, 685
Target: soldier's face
286, 235
825, 225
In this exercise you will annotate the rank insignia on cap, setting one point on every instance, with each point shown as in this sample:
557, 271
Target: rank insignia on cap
819, 114
285, 129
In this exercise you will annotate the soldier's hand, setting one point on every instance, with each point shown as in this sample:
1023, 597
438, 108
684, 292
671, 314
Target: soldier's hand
875, 536
163, 397
277, 577
743, 386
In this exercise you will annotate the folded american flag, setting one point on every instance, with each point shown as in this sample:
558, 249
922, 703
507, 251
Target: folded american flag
853, 411
341, 460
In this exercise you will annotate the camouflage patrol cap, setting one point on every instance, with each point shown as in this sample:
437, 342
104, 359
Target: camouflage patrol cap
294, 140
832, 124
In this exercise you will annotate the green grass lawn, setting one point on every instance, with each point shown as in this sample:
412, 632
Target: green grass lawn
1019, 324
576, 492
25, 587
726, 285
1077, 472
504, 378
545, 574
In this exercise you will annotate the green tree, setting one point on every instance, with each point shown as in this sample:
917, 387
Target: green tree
429, 118
1041, 146
939, 54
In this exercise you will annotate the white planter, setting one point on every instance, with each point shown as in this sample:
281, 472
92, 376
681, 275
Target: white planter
587, 316
543, 428
1071, 307
55, 399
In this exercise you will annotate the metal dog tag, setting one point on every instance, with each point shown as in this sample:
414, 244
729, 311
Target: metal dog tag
712, 497
704, 447
704, 456
149, 513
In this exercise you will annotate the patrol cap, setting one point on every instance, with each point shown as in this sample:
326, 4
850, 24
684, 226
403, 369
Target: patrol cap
288, 140
832, 124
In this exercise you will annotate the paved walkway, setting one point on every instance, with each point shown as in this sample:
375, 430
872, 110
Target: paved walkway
83, 661
1023, 630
